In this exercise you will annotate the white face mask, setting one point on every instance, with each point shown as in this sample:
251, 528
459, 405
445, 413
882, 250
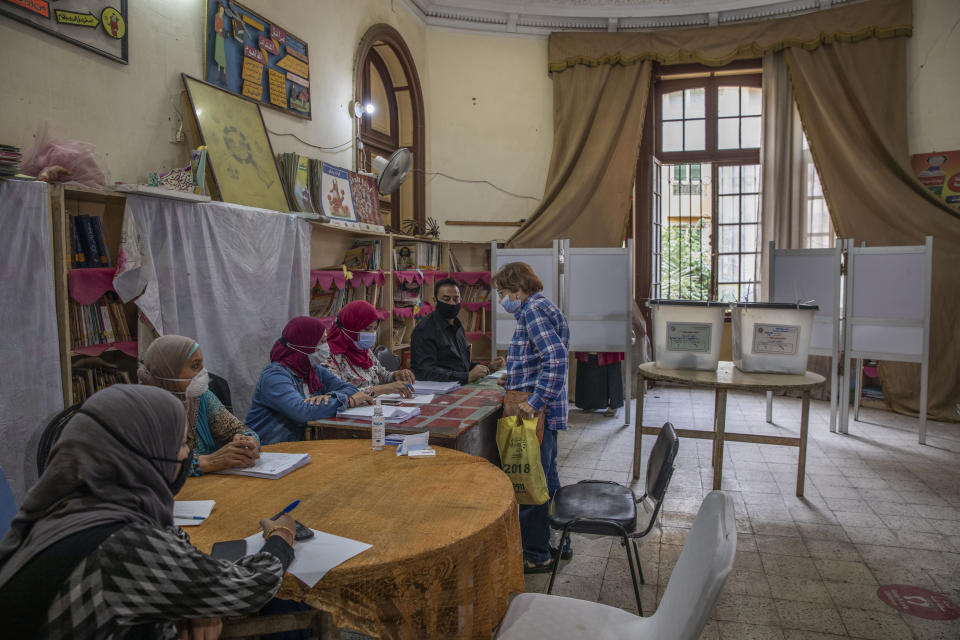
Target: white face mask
318, 357
198, 384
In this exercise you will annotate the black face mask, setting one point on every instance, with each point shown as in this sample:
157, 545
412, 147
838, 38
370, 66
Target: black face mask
174, 485
447, 311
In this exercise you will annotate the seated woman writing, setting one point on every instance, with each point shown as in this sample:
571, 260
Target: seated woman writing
350, 338
93, 552
294, 388
217, 438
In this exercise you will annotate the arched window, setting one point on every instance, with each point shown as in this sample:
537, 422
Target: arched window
387, 77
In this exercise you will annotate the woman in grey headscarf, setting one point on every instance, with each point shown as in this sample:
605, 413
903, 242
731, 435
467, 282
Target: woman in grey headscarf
93, 552
217, 439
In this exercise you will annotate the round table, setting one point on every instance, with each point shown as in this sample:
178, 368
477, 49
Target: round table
446, 549
724, 378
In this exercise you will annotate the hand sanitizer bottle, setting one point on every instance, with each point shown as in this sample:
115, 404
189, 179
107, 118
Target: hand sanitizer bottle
377, 428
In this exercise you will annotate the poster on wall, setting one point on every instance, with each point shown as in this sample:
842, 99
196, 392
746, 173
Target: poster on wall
98, 25
940, 172
250, 56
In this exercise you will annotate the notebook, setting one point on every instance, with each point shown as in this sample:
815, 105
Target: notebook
272, 465
391, 414
190, 513
429, 386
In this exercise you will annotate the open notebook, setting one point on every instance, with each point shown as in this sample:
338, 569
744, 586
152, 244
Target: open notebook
272, 465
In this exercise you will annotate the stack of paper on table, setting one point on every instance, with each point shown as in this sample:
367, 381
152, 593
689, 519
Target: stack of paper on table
418, 398
391, 414
272, 465
190, 513
429, 386
315, 556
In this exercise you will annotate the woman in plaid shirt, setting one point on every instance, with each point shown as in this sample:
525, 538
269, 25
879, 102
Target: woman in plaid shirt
537, 382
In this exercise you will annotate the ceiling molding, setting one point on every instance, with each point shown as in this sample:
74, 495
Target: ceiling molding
539, 18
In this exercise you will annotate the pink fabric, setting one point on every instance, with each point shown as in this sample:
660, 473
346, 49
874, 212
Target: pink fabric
327, 278
409, 276
367, 278
129, 348
433, 276
473, 335
407, 312
603, 358
88, 285
476, 306
353, 318
304, 333
471, 277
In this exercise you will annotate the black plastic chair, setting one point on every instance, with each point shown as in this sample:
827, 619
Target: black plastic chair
387, 358
51, 433
220, 388
606, 508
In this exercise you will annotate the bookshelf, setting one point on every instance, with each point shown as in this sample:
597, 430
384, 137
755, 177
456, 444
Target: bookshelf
97, 332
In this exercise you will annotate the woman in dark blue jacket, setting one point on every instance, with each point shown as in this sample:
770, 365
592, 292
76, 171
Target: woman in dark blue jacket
294, 388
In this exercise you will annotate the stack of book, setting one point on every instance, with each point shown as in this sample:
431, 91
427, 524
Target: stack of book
364, 255
87, 380
332, 193
87, 248
476, 320
417, 255
479, 292
100, 323
9, 160
328, 302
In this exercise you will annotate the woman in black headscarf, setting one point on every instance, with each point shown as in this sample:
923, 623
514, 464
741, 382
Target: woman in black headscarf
93, 551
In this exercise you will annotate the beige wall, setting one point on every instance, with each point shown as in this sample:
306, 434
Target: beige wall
933, 91
128, 111
490, 118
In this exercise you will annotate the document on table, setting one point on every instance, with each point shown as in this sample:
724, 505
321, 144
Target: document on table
316, 556
391, 414
272, 465
190, 513
418, 398
429, 386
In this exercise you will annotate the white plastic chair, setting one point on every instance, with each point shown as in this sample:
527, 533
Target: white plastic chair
695, 584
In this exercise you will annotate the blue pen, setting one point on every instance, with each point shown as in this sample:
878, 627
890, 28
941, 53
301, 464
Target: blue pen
189, 517
290, 507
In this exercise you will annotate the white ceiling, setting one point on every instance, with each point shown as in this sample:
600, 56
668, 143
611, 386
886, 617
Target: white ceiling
540, 17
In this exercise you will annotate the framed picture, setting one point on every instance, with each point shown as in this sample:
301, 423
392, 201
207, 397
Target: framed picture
251, 56
98, 25
239, 153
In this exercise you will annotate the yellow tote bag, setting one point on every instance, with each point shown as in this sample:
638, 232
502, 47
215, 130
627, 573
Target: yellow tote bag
520, 459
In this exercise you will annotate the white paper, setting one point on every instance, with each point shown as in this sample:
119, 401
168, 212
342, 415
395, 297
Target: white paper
391, 414
186, 512
272, 465
418, 398
429, 386
413, 442
314, 557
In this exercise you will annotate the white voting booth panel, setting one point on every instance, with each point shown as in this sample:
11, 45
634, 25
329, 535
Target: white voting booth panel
597, 299
544, 262
594, 290
888, 313
812, 275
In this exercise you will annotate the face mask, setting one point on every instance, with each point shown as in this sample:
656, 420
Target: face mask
198, 385
447, 311
365, 340
321, 355
510, 305
181, 478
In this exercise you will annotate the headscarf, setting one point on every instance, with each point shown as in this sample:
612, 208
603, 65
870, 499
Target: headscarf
165, 358
354, 317
304, 333
92, 479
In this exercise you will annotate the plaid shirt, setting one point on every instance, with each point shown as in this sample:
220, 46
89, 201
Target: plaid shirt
537, 358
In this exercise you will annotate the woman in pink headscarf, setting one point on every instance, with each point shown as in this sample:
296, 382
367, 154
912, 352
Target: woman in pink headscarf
350, 338
295, 388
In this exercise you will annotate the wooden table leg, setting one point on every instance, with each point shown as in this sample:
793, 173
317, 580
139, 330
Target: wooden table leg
720, 419
804, 424
638, 392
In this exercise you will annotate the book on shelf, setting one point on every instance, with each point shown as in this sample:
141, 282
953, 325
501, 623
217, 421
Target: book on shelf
399, 329
90, 375
328, 302
407, 294
87, 245
475, 320
364, 255
479, 292
366, 200
99, 323
417, 255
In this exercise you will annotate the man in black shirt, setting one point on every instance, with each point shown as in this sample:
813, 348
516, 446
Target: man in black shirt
438, 346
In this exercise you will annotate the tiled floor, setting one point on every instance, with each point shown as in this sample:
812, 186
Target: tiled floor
878, 509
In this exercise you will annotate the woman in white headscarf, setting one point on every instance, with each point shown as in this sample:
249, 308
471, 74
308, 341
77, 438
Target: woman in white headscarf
93, 552
217, 439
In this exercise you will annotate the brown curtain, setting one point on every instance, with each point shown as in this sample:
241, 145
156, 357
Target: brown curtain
852, 101
598, 116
